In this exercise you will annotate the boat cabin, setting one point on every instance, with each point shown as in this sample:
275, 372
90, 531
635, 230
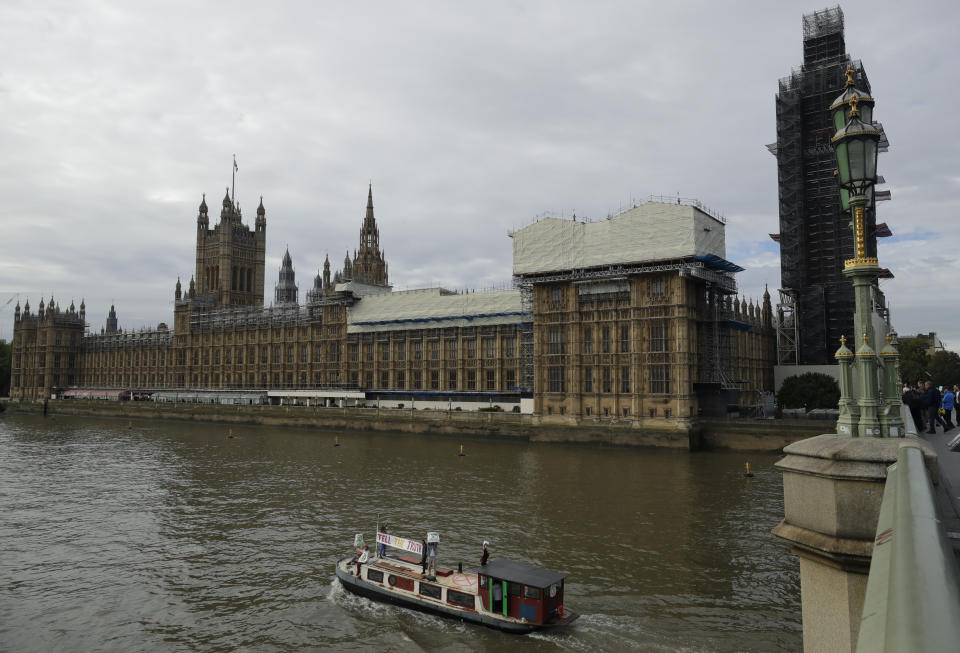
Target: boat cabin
522, 591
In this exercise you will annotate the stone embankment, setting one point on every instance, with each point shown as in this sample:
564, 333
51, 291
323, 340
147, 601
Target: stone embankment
711, 435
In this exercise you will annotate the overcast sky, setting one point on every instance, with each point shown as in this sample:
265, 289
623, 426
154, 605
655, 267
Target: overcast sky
470, 119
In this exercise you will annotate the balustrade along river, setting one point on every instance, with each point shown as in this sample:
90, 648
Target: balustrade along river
177, 536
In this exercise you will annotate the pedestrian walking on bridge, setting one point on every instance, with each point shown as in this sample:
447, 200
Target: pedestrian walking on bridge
947, 403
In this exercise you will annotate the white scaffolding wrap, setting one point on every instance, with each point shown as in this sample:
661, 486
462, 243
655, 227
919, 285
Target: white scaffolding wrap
432, 308
649, 232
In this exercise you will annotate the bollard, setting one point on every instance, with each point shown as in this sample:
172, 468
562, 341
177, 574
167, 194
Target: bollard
748, 473
461, 451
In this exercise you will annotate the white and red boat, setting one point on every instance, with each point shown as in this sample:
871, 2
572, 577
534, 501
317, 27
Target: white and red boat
511, 596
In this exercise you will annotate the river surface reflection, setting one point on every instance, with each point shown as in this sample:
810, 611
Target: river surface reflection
170, 536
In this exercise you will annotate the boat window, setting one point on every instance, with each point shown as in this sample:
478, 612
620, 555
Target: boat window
460, 598
433, 591
482, 580
531, 592
553, 590
376, 576
514, 589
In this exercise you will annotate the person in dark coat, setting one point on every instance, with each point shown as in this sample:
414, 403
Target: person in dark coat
423, 558
914, 402
931, 402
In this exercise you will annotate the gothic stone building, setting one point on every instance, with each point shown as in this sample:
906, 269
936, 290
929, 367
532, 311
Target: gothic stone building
630, 318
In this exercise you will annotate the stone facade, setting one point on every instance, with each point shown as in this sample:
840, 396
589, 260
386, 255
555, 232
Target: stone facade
643, 344
636, 347
230, 256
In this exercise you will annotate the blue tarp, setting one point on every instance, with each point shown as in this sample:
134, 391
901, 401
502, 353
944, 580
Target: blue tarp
715, 261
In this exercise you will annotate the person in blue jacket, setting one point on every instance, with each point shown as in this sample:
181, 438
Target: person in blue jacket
947, 403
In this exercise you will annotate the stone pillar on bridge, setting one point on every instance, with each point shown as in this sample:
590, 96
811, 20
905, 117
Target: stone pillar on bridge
832, 489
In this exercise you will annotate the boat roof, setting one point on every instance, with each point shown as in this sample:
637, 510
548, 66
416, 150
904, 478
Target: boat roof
519, 572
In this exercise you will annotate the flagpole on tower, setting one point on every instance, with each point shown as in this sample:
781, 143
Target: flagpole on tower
233, 183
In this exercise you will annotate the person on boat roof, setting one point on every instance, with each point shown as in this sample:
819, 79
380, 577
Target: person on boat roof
432, 561
383, 547
423, 558
486, 554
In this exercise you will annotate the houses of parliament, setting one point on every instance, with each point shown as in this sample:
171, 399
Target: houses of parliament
634, 317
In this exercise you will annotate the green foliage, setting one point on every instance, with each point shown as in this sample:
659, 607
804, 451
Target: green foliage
914, 360
810, 390
944, 366
5, 354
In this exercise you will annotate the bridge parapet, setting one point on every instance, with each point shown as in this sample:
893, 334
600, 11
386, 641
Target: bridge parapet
912, 600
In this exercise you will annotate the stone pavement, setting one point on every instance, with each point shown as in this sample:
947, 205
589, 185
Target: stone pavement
948, 492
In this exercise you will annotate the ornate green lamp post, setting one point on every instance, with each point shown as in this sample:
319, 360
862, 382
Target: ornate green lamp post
856, 145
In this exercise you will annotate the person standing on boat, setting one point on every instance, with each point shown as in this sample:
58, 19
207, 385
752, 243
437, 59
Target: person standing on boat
486, 554
432, 561
423, 557
364, 556
383, 546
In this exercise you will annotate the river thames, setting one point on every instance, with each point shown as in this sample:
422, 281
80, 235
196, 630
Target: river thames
172, 536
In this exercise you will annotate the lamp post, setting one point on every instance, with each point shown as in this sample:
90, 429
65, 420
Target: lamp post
856, 144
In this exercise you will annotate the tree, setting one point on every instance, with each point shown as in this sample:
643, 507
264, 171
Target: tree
810, 390
944, 367
914, 360
6, 350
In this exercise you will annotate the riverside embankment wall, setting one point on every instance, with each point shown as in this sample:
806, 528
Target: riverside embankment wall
732, 434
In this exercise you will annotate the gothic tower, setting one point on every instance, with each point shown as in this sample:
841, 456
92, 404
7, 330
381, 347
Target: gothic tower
369, 266
230, 257
286, 289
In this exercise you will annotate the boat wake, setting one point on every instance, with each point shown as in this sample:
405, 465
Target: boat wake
604, 632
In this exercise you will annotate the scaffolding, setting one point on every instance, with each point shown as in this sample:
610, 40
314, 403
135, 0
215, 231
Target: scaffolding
788, 337
814, 235
713, 320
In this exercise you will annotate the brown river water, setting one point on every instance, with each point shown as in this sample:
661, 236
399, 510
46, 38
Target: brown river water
170, 536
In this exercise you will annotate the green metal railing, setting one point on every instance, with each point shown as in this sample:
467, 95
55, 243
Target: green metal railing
913, 598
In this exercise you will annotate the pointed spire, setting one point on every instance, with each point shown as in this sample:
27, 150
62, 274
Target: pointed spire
203, 205
260, 210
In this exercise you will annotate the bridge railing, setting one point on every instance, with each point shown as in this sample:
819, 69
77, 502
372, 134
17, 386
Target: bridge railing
913, 598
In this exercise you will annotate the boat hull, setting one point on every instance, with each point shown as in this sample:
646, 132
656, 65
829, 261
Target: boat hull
373, 591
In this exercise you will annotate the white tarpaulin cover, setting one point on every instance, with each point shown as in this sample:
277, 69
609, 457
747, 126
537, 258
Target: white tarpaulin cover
649, 232
431, 308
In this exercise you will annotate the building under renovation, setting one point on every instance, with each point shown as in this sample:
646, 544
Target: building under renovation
816, 301
634, 318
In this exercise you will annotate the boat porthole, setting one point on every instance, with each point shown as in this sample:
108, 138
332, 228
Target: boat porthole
392, 580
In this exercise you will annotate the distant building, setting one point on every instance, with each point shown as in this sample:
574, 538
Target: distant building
932, 342
816, 301
633, 318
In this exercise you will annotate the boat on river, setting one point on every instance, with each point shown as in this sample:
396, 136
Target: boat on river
511, 596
